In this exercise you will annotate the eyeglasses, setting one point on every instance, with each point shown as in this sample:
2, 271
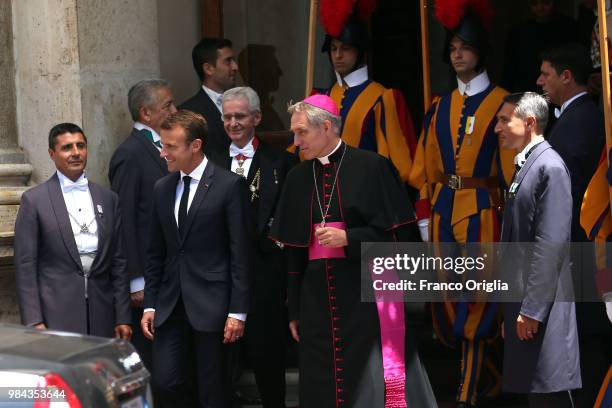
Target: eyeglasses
227, 117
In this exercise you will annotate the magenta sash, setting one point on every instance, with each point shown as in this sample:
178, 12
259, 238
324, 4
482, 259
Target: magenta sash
392, 337
316, 251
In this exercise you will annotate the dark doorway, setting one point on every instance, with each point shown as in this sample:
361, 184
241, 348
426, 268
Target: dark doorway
396, 51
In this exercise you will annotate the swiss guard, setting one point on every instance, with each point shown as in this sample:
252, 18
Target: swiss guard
596, 220
460, 173
373, 117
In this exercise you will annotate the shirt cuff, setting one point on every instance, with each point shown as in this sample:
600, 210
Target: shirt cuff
137, 284
239, 316
148, 309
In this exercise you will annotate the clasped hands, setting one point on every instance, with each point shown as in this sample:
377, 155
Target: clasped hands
330, 237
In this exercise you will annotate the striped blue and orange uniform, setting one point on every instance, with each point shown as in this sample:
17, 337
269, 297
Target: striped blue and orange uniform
377, 119
458, 139
596, 221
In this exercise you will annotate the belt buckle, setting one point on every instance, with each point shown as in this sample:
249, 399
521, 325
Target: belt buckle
455, 182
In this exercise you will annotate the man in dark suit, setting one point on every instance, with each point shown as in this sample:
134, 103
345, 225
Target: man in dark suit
133, 170
578, 136
70, 265
578, 133
542, 326
198, 263
264, 169
215, 64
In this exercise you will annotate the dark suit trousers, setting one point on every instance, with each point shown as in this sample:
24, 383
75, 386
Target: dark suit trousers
266, 330
561, 399
187, 364
265, 346
140, 342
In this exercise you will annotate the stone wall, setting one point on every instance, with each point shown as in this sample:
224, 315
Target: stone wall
118, 46
75, 61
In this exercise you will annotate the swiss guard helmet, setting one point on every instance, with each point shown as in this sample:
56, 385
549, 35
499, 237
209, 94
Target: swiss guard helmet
468, 20
345, 20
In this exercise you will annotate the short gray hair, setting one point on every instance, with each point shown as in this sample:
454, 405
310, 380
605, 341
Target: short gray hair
316, 116
243, 92
142, 94
530, 104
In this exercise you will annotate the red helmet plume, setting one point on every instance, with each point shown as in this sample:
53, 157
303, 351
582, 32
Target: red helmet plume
451, 12
335, 13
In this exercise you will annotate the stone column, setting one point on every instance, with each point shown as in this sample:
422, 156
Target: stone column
47, 74
14, 171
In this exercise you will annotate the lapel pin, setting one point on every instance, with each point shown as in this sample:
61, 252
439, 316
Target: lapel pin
99, 209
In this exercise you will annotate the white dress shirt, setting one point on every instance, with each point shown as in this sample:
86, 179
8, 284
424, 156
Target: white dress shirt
355, 78
156, 138
520, 158
215, 96
80, 211
196, 176
559, 112
478, 84
248, 151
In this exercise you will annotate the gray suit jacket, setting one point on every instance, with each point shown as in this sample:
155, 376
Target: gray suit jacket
49, 274
540, 213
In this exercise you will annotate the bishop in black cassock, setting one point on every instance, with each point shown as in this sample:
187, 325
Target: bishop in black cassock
351, 353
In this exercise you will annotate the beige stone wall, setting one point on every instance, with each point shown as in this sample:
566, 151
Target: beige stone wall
75, 61
118, 46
